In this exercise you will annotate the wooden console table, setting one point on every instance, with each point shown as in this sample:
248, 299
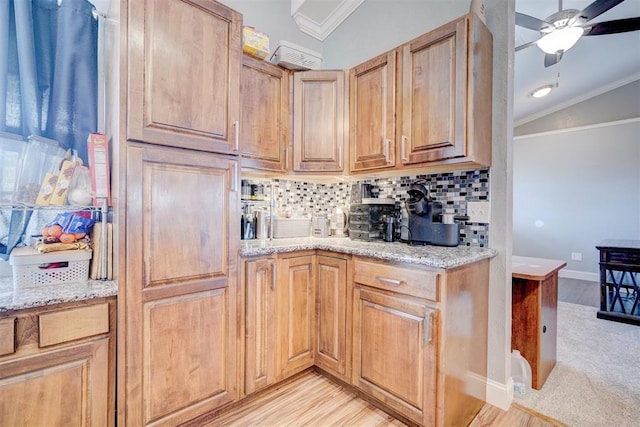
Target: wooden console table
620, 281
534, 313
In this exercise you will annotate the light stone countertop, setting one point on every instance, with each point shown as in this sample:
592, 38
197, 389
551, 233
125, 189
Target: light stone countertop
11, 299
432, 256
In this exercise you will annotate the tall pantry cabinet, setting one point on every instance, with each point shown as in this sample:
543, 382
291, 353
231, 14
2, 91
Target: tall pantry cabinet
178, 210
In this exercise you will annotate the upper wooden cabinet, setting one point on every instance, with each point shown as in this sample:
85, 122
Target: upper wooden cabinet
183, 73
264, 124
446, 95
426, 103
372, 113
319, 121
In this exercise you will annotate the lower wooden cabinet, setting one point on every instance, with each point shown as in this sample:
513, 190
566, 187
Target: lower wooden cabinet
394, 352
333, 320
178, 347
62, 369
420, 339
411, 338
261, 317
296, 306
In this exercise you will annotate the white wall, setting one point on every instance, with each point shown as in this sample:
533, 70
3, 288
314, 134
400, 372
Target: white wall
381, 25
574, 188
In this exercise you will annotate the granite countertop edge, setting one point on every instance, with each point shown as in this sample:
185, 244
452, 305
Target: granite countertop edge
19, 299
431, 256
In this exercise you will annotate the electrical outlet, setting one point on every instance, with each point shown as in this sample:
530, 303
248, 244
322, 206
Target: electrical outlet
479, 212
576, 256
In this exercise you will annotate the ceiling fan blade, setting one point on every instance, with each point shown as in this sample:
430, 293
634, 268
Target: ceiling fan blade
525, 45
530, 22
552, 59
596, 8
613, 27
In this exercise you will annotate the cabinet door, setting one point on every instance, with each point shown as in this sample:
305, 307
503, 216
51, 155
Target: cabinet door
65, 387
184, 63
331, 317
179, 303
296, 294
394, 352
434, 93
319, 125
372, 112
261, 324
264, 120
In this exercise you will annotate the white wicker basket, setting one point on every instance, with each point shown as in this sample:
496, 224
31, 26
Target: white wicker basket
32, 269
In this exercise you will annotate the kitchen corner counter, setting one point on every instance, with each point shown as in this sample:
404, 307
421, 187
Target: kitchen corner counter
11, 299
431, 256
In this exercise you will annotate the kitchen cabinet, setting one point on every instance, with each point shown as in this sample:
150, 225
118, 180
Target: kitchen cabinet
264, 130
319, 121
178, 211
296, 278
372, 113
178, 285
60, 364
333, 315
420, 339
183, 63
446, 95
261, 328
395, 339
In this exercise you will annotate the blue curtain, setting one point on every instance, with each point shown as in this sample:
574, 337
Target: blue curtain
48, 70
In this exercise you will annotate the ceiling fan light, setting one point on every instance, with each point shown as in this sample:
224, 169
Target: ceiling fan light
560, 40
542, 91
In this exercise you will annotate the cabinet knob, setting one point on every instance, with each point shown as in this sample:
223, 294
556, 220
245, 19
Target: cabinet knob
544, 329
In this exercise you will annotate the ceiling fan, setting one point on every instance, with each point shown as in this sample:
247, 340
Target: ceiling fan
560, 31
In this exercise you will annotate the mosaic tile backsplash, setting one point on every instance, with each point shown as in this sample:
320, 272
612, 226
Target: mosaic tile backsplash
452, 189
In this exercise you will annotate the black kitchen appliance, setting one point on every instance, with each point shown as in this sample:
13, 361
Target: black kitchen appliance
367, 220
425, 219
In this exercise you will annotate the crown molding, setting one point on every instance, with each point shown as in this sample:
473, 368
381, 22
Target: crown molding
334, 17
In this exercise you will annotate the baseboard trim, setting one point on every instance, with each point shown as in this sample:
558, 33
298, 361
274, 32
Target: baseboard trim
580, 275
500, 394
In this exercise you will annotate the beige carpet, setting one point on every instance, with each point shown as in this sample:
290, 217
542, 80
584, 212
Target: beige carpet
596, 381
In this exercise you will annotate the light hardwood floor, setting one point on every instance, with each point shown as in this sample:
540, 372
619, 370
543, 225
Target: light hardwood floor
315, 401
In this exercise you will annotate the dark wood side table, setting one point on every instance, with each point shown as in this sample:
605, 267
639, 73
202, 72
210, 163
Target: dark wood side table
534, 313
620, 280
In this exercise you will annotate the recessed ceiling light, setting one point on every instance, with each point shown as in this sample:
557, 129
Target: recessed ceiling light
542, 91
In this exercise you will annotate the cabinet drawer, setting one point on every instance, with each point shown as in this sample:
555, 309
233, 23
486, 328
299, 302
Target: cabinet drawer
68, 325
403, 280
7, 336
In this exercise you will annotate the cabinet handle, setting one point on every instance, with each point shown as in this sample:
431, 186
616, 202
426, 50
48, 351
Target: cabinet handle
402, 148
236, 135
428, 327
273, 276
340, 156
286, 159
385, 149
234, 179
390, 281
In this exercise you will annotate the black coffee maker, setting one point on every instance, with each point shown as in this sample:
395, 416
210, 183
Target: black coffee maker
425, 219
